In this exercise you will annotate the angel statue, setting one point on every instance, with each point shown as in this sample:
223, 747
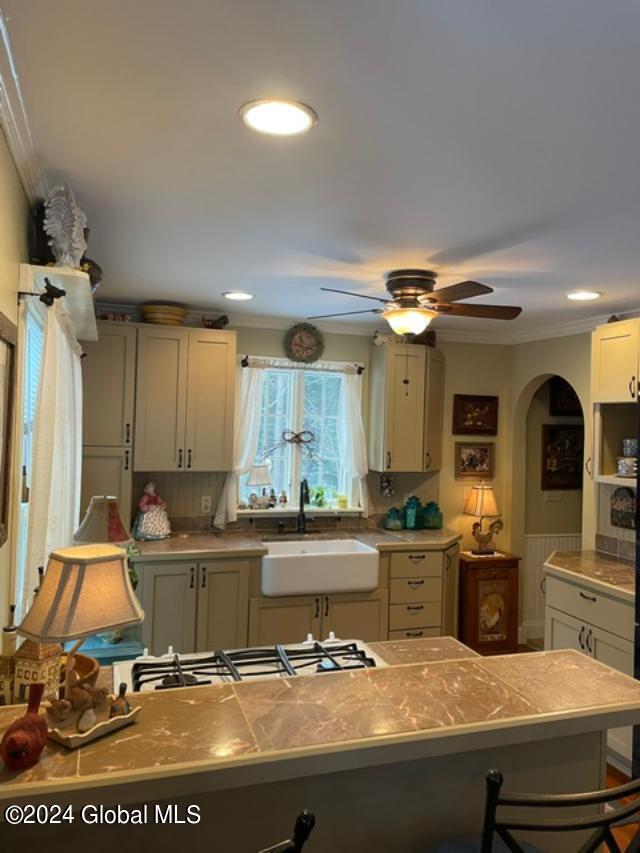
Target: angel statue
64, 224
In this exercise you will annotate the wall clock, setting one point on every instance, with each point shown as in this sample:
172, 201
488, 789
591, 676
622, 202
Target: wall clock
303, 342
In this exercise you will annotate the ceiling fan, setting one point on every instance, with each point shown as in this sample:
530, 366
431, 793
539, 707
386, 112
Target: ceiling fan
415, 302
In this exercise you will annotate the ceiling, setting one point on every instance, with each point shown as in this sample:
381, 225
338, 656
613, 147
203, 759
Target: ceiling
493, 139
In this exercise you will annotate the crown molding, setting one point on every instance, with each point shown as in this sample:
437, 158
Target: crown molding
15, 123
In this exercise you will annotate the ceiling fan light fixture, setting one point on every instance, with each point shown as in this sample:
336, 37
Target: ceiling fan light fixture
408, 321
278, 118
238, 295
583, 295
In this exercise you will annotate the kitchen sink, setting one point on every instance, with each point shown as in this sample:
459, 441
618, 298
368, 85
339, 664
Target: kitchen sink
318, 566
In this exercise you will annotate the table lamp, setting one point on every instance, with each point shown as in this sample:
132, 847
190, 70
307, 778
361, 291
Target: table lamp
85, 590
482, 503
102, 523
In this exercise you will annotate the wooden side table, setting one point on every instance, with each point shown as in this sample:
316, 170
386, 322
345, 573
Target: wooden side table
489, 602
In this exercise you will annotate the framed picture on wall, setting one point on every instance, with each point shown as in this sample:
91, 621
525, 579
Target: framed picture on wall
563, 400
562, 451
475, 414
8, 336
474, 459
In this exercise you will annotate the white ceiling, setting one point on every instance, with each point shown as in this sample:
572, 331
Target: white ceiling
493, 139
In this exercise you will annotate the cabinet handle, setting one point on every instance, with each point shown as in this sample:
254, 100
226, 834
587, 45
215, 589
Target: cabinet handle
580, 635
587, 466
203, 579
416, 583
127, 433
126, 460
189, 458
180, 458
632, 387
587, 597
417, 558
317, 613
427, 460
193, 578
326, 605
589, 646
447, 564
414, 633
414, 608
543, 585
388, 459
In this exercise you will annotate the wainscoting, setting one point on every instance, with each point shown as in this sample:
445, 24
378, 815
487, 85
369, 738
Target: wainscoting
537, 549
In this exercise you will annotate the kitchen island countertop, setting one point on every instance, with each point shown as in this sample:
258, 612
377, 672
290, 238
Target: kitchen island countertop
247, 544
595, 569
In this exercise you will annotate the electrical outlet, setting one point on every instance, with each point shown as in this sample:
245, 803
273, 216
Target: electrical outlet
553, 497
205, 504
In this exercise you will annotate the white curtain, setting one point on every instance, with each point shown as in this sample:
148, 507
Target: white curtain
54, 503
353, 439
245, 440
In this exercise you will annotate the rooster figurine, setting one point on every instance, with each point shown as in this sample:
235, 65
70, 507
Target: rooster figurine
25, 739
484, 539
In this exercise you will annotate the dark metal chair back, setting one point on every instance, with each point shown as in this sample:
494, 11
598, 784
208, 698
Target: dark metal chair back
601, 823
301, 832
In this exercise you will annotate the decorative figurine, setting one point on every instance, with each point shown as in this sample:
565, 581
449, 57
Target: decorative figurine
80, 698
25, 739
283, 500
253, 500
273, 500
86, 720
219, 323
152, 521
59, 709
64, 223
99, 696
120, 706
36, 662
387, 487
484, 539
93, 269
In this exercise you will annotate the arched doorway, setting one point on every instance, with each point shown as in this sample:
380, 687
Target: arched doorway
547, 493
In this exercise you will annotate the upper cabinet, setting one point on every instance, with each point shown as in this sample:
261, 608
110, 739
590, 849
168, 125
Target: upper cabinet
108, 374
405, 416
185, 399
615, 356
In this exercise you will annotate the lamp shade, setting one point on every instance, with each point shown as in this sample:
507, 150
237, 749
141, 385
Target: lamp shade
86, 589
408, 321
260, 475
102, 523
481, 501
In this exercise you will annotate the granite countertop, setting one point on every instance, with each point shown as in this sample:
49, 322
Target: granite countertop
253, 544
597, 570
239, 734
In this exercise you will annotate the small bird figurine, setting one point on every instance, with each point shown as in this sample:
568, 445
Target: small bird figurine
98, 696
120, 705
80, 698
59, 709
25, 739
86, 720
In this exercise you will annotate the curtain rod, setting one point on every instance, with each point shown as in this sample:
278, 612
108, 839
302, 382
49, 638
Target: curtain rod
358, 368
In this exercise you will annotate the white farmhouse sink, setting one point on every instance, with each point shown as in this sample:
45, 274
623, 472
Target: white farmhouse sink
318, 566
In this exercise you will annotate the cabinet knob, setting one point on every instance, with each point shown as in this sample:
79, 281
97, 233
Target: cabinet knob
427, 460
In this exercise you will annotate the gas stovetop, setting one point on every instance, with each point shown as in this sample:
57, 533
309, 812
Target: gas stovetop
173, 670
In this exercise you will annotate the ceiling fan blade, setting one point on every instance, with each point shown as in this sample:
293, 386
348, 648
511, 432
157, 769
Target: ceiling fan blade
492, 312
351, 293
496, 242
455, 292
345, 313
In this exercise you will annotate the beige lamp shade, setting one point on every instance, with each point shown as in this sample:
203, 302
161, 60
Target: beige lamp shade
86, 589
481, 502
102, 523
260, 475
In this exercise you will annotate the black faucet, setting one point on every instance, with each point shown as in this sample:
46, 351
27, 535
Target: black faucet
301, 519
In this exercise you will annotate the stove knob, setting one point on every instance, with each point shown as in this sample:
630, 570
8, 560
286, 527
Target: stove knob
170, 651
309, 641
332, 636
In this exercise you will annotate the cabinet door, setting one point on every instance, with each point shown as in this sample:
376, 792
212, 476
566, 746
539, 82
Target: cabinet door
614, 362
210, 400
433, 408
168, 598
356, 616
450, 583
161, 398
107, 471
618, 654
223, 605
404, 408
562, 631
283, 620
108, 377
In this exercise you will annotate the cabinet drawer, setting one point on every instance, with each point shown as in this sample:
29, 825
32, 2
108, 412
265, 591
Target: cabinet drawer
408, 590
421, 615
412, 564
413, 633
592, 607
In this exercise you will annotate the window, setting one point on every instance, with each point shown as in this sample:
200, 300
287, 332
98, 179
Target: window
300, 400
33, 352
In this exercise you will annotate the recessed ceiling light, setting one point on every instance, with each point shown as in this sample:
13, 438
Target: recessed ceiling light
238, 295
584, 295
278, 118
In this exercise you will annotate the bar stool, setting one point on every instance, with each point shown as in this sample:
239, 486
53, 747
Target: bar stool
301, 831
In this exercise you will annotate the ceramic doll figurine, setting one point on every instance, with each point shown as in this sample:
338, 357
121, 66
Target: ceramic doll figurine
152, 521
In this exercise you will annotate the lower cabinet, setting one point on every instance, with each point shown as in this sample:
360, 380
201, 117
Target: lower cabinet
194, 606
423, 593
568, 631
107, 471
289, 619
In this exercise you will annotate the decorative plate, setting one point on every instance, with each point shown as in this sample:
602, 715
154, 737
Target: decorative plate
304, 342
